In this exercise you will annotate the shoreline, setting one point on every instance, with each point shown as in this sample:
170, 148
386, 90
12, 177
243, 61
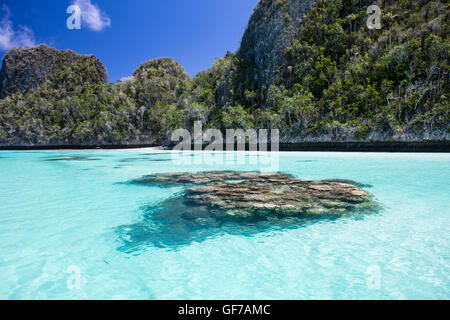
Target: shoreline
385, 146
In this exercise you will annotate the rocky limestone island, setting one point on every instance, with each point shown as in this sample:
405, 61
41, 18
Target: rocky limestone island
310, 68
46, 68
229, 194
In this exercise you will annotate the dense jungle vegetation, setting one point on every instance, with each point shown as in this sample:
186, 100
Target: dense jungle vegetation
333, 80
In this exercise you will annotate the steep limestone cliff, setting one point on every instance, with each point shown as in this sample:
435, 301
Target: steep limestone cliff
271, 29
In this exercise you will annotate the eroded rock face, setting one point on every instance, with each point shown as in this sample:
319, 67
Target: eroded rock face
270, 30
243, 203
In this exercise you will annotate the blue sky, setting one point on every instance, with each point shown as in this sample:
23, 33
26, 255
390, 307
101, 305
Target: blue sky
123, 34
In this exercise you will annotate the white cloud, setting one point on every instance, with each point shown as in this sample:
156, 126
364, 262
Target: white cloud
10, 38
92, 16
127, 79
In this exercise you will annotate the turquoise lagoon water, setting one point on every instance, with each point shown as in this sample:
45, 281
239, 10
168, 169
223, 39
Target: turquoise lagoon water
71, 227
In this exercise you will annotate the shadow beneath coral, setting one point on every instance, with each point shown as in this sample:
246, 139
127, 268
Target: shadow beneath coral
177, 222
